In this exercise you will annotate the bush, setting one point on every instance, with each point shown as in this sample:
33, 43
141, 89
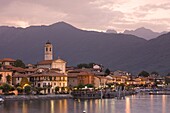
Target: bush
56, 89
1, 87
27, 89
19, 89
6, 88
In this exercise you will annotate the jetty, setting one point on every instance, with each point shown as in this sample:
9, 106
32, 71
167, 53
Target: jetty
160, 93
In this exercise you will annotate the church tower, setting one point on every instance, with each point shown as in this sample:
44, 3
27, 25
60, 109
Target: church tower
48, 51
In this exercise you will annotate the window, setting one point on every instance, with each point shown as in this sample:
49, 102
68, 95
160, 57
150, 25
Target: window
38, 84
61, 78
50, 49
46, 49
44, 84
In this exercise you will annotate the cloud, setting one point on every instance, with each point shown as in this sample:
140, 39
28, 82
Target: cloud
88, 14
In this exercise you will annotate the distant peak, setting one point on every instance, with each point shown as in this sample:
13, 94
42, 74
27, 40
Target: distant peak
143, 28
111, 31
62, 24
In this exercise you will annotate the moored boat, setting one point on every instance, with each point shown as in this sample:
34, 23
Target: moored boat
1, 100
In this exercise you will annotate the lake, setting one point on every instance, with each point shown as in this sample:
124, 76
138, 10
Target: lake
131, 104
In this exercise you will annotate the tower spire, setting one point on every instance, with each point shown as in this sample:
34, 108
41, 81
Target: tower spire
48, 51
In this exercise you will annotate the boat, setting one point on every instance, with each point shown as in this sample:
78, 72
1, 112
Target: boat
1, 100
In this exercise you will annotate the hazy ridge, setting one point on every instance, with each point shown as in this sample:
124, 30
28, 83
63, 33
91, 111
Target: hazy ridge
115, 51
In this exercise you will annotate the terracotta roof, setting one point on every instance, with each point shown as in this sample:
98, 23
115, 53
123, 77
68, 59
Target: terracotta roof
39, 75
56, 69
8, 67
48, 74
60, 60
85, 73
7, 60
45, 62
31, 70
101, 77
18, 69
21, 75
4, 70
70, 75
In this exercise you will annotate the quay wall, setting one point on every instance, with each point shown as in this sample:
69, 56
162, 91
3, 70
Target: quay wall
31, 97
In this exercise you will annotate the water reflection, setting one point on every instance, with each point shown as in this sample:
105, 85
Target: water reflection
52, 106
24, 107
132, 104
164, 103
128, 105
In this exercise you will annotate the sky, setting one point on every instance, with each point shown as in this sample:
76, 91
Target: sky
97, 15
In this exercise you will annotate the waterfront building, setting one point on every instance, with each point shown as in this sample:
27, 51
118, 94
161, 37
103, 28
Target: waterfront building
46, 79
97, 67
51, 63
100, 81
85, 78
7, 61
48, 75
72, 79
4, 74
120, 73
80, 76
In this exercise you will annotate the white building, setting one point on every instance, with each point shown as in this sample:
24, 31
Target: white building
48, 61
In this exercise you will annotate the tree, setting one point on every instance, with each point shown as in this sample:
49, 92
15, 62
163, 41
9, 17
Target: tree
6, 88
56, 89
8, 79
37, 90
143, 74
62, 89
84, 65
27, 89
107, 71
0, 77
168, 74
19, 63
24, 81
90, 85
154, 73
80, 86
91, 65
19, 89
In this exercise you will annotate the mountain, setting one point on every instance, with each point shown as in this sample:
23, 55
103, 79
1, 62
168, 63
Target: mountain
114, 51
144, 33
111, 31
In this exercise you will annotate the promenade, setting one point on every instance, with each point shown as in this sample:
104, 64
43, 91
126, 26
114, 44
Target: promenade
33, 97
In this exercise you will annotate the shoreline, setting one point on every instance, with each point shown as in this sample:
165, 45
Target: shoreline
33, 97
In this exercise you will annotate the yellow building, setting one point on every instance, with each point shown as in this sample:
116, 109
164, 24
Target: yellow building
48, 80
3, 76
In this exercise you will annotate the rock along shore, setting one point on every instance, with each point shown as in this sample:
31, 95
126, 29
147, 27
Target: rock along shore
33, 97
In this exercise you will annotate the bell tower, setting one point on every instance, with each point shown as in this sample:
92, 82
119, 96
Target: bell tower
48, 51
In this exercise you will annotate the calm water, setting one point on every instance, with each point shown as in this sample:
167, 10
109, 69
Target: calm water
132, 104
